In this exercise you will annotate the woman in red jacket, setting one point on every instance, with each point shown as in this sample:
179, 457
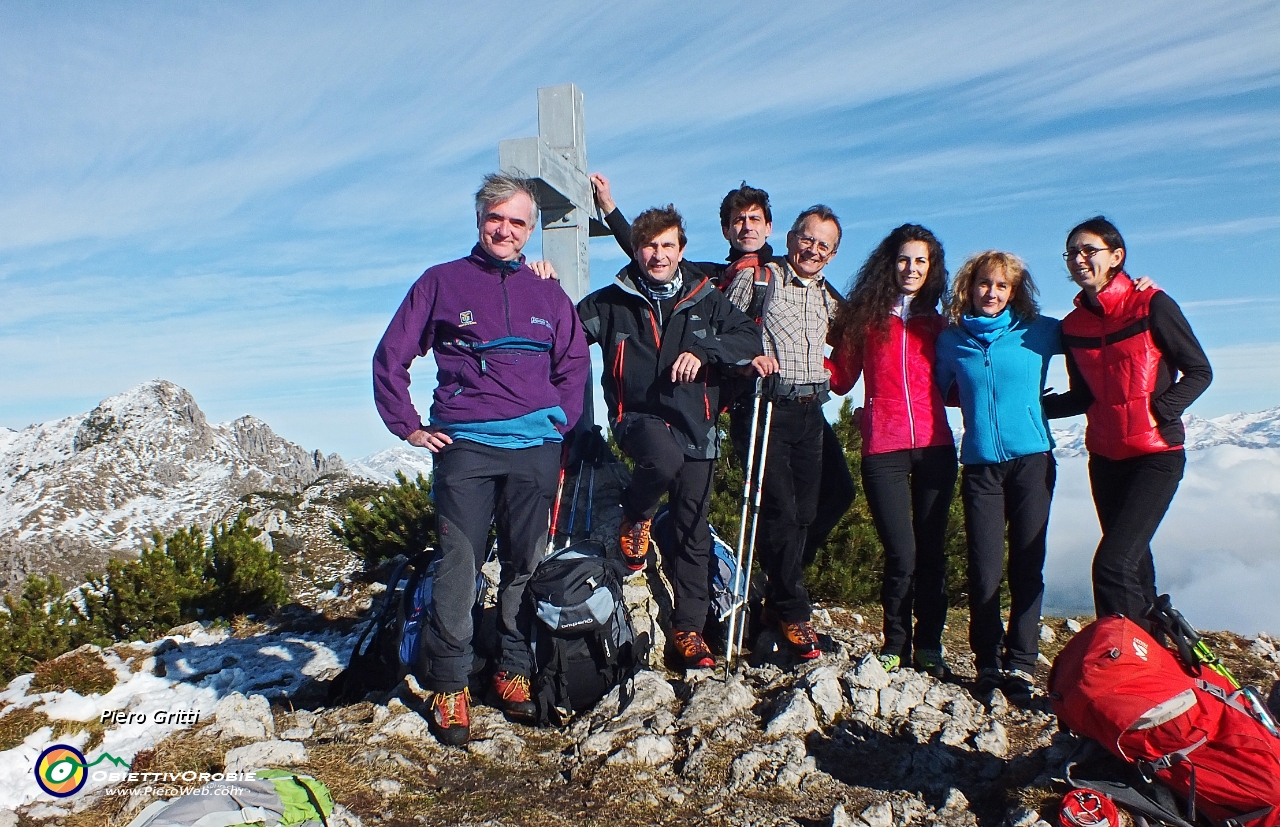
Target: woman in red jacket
1135, 365
885, 333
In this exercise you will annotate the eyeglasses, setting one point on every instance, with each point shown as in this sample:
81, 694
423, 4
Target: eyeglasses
1087, 252
821, 247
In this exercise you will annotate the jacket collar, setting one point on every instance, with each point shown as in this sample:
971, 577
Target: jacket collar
487, 262
764, 254
695, 284
1111, 298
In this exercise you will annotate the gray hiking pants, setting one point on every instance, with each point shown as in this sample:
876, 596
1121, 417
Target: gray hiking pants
475, 483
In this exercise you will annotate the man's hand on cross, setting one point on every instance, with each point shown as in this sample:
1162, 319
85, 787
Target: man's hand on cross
604, 198
543, 269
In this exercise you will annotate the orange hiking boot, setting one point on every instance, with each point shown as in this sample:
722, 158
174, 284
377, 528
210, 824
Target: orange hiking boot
514, 696
634, 539
802, 639
693, 649
449, 717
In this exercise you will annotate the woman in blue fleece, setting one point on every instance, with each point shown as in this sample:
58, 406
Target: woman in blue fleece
996, 354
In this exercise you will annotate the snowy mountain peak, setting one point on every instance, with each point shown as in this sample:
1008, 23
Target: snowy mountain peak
74, 490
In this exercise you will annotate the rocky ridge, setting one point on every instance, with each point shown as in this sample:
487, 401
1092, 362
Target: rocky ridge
1260, 429
79, 489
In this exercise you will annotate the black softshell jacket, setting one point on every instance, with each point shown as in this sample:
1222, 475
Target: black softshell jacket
639, 350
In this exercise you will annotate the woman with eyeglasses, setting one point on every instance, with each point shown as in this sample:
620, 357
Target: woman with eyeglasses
885, 333
995, 357
1135, 366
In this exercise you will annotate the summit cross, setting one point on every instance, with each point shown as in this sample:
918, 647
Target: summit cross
556, 161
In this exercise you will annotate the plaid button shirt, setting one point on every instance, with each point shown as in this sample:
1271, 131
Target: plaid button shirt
795, 321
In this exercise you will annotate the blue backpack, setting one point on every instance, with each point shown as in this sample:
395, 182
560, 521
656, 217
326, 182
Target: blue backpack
387, 650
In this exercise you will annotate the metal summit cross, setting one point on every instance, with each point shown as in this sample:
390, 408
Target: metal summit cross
556, 161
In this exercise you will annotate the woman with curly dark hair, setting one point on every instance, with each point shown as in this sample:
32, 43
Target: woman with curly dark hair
885, 333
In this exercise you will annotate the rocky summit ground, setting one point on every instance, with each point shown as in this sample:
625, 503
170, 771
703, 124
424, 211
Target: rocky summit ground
833, 742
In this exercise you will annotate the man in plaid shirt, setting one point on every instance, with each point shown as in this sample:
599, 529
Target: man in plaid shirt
797, 308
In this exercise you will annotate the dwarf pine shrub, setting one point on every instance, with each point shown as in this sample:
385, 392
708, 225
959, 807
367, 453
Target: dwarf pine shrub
175, 580
396, 519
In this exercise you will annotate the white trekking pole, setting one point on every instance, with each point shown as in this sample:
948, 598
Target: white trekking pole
748, 482
755, 518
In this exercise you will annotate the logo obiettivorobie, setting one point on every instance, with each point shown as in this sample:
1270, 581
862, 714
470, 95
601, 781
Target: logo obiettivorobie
61, 770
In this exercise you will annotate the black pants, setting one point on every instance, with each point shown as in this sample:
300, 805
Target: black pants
1016, 492
835, 492
788, 498
472, 483
662, 466
1131, 496
909, 494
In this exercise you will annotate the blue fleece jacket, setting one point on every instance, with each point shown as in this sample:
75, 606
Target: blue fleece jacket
999, 367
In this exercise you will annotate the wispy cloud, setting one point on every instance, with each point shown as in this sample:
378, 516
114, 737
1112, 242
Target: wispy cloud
236, 197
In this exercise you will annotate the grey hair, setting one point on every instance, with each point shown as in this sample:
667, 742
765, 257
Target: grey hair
499, 187
823, 213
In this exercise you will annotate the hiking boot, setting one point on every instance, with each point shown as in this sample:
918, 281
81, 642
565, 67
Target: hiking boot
693, 650
891, 663
634, 539
1018, 686
989, 680
801, 638
449, 717
930, 662
514, 696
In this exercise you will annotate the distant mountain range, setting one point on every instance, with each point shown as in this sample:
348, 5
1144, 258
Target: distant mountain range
1245, 430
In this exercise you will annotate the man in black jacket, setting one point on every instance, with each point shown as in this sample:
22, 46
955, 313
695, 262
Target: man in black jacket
746, 221
665, 333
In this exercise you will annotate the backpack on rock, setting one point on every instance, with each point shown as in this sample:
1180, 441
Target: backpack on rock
275, 797
583, 641
1194, 733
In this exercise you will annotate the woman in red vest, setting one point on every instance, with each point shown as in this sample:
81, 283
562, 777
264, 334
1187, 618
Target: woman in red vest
1135, 365
885, 333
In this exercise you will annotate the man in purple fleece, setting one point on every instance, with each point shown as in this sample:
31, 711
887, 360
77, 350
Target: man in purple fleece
511, 368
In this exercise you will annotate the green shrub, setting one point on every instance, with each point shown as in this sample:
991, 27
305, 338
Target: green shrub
175, 580
397, 519
41, 624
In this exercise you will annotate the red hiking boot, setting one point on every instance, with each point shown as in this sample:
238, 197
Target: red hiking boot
514, 696
693, 650
449, 717
634, 539
801, 638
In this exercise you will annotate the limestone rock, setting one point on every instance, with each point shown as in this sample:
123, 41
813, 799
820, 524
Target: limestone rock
409, 725
647, 750
503, 747
266, 754
879, 814
796, 717
715, 702
868, 674
825, 691
1047, 634
1073, 625
840, 818
992, 739
236, 716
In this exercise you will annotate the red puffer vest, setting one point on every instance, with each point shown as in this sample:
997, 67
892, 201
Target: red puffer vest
903, 407
1120, 362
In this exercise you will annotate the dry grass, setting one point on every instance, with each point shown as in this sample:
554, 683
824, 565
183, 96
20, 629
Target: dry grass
17, 724
81, 670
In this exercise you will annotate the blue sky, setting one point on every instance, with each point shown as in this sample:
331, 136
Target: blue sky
236, 196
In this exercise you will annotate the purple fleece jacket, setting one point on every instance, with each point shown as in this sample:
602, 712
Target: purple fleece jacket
470, 300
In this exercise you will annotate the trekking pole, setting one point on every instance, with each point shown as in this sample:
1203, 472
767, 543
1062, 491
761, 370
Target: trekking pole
748, 480
1195, 652
573, 509
755, 514
1191, 646
555, 507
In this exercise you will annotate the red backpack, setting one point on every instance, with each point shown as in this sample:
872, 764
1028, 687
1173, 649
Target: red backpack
1113, 683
